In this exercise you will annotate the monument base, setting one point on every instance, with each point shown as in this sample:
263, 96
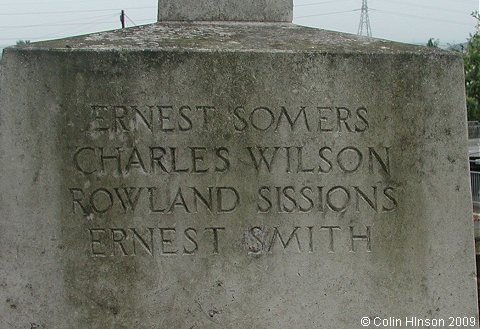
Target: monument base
233, 175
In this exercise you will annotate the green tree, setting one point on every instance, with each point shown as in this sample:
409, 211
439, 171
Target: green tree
23, 42
433, 43
472, 75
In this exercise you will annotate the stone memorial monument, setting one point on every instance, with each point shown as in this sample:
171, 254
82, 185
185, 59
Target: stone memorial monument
224, 168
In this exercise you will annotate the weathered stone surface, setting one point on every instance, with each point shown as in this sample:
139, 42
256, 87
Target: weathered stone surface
226, 10
368, 141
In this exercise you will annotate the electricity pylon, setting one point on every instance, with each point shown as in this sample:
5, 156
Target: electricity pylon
364, 26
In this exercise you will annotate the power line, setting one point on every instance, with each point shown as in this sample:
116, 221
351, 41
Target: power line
50, 2
59, 34
419, 17
64, 33
71, 11
77, 29
319, 3
131, 21
82, 30
326, 14
58, 23
422, 6
65, 23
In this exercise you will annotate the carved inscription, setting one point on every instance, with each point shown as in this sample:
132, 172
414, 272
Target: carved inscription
170, 241
160, 180
169, 118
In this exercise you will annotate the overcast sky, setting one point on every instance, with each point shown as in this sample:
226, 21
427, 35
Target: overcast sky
412, 21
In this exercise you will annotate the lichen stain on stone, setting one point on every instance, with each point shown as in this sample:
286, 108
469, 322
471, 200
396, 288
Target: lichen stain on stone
231, 36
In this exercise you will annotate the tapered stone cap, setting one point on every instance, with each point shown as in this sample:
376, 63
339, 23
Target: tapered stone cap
226, 10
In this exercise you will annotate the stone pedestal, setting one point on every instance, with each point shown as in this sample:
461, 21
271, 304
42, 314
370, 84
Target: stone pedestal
226, 10
232, 175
